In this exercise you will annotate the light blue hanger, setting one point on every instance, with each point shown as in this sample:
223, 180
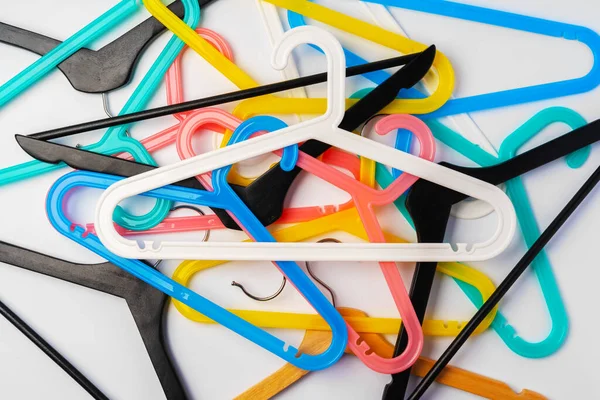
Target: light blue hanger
511, 21
115, 140
42, 66
224, 197
527, 223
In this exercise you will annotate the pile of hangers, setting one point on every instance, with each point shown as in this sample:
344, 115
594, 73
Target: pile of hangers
326, 142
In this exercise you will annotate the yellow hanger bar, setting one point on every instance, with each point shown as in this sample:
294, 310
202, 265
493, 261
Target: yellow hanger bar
347, 221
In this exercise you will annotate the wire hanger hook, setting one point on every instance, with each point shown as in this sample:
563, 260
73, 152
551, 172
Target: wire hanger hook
284, 281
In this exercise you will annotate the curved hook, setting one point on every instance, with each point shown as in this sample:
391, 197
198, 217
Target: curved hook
266, 298
319, 281
107, 110
283, 283
336, 65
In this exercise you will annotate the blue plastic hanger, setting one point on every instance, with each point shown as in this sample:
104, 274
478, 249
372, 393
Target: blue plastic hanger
224, 197
512, 21
115, 140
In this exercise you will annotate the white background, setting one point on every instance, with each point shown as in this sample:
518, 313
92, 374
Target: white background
97, 333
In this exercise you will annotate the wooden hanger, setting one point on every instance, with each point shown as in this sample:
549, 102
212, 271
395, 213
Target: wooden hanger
315, 342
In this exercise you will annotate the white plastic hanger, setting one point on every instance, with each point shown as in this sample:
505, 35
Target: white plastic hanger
325, 129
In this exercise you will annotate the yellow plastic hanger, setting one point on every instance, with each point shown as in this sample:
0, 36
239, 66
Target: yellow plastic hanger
311, 106
315, 342
374, 33
347, 221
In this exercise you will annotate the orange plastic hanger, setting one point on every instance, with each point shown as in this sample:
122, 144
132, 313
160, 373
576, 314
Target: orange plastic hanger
315, 342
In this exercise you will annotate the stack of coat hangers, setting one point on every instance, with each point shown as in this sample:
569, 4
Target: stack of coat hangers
328, 142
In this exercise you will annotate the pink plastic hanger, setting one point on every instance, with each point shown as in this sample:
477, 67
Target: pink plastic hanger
365, 199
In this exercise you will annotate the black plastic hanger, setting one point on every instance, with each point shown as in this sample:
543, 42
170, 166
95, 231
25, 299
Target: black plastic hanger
227, 98
429, 206
96, 71
265, 196
146, 303
506, 284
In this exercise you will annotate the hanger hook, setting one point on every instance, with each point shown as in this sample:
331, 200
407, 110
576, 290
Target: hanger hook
180, 207
266, 298
106, 107
319, 281
283, 283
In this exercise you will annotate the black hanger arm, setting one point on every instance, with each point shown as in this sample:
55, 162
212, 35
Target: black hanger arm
217, 100
106, 69
146, 303
427, 200
265, 197
506, 284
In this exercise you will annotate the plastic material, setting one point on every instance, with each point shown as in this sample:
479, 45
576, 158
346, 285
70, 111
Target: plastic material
345, 221
215, 100
369, 32
96, 71
511, 21
54, 57
324, 129
266, 195
145, 303
242, 80
56, 198
431, 220
116, 140
528, 224
506, 284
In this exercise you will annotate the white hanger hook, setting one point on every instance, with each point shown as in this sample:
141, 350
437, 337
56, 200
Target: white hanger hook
336, 64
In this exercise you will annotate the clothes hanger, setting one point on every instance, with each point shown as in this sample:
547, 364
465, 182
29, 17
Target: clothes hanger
463, 123
365, 199
451, 376
258, 232
346, 221
267, 204
508, 282
314, 341
51, 352
462, 11
431, 217
527, 222
116, 140
145, 303
324, 129
244, 81
128, 118
96, 71
61, 222
541, 265
63, 51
